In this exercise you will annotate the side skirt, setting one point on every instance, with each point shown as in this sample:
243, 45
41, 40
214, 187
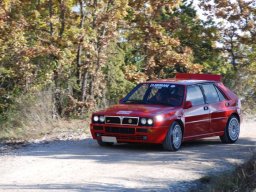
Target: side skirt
203, 136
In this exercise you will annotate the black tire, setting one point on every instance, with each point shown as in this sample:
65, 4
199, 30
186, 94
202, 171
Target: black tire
232, 130
169, 144
104, 144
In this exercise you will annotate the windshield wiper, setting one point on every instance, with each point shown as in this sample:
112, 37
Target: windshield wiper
134, 102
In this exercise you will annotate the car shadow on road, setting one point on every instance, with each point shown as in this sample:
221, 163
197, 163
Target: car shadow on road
195, 157
198, 151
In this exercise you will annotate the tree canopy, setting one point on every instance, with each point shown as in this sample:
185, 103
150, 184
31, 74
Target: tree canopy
90, 53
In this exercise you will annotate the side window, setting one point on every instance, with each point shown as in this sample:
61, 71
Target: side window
221, 96
195, 95
210, 93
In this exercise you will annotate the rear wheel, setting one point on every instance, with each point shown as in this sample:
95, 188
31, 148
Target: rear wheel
232, 130
173, 138
104, 144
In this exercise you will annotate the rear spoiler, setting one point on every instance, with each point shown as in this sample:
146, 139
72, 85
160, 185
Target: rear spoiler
188, 76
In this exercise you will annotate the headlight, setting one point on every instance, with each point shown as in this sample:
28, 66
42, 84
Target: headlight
102, 119
95, 118
143, 121
150, 121
159, 118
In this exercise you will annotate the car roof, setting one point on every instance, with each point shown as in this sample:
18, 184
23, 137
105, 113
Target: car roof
181, 81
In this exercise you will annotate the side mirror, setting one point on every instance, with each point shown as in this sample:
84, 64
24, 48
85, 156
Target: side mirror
188, 105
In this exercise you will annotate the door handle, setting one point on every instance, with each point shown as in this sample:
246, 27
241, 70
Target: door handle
206, 107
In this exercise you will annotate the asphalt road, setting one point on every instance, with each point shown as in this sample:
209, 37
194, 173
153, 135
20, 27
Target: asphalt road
81, 165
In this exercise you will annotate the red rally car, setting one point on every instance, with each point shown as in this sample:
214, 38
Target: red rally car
170, 111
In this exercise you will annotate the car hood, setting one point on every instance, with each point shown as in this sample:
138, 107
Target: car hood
135, 110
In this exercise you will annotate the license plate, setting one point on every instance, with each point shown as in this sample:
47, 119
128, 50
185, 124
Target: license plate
108, 139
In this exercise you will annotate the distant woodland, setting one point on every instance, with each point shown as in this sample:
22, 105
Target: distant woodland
87, 54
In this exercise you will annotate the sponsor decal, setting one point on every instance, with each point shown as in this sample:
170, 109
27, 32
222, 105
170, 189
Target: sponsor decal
160, 85
124, 112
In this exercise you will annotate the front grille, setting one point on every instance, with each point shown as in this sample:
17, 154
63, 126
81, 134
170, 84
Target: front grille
130, 137
122, 120
127, 137
130, 121
98, 127
122, 130
113, 120
141, 130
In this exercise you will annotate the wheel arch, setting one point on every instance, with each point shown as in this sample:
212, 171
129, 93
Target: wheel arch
236, 115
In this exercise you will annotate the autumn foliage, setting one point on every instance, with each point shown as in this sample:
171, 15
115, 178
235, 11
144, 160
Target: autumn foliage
91, 53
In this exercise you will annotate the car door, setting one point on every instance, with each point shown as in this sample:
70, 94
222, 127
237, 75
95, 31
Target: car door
197, 119
217, 107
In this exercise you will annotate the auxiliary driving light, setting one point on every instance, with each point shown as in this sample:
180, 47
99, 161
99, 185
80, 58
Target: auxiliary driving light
102, 119
143, 121
150, 121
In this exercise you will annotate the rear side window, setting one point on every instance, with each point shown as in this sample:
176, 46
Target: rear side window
221, 96
195, 95
210, 93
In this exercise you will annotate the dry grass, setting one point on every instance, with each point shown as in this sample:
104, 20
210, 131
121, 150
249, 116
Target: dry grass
242, 179
34, 118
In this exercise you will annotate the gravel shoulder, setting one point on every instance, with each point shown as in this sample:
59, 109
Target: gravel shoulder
80, 164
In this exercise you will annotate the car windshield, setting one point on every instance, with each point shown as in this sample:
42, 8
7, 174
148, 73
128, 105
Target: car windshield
157, 94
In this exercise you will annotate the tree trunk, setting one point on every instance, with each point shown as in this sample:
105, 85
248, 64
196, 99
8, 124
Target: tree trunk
80, 48
56, 92
51, 14
84, 86
62, 17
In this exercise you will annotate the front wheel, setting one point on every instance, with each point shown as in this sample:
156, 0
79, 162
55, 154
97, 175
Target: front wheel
232, 130
173, 138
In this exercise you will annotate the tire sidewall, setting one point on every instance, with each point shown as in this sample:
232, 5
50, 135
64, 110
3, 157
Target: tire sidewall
170, 136
227, 129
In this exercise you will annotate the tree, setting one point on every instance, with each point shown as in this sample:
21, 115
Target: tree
117, 85
152, 35
237, 38
35, 45
98, 28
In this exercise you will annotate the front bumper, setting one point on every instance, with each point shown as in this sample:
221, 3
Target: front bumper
130, 134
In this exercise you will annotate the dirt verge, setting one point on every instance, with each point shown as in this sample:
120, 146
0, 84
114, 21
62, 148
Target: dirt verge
80, 164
